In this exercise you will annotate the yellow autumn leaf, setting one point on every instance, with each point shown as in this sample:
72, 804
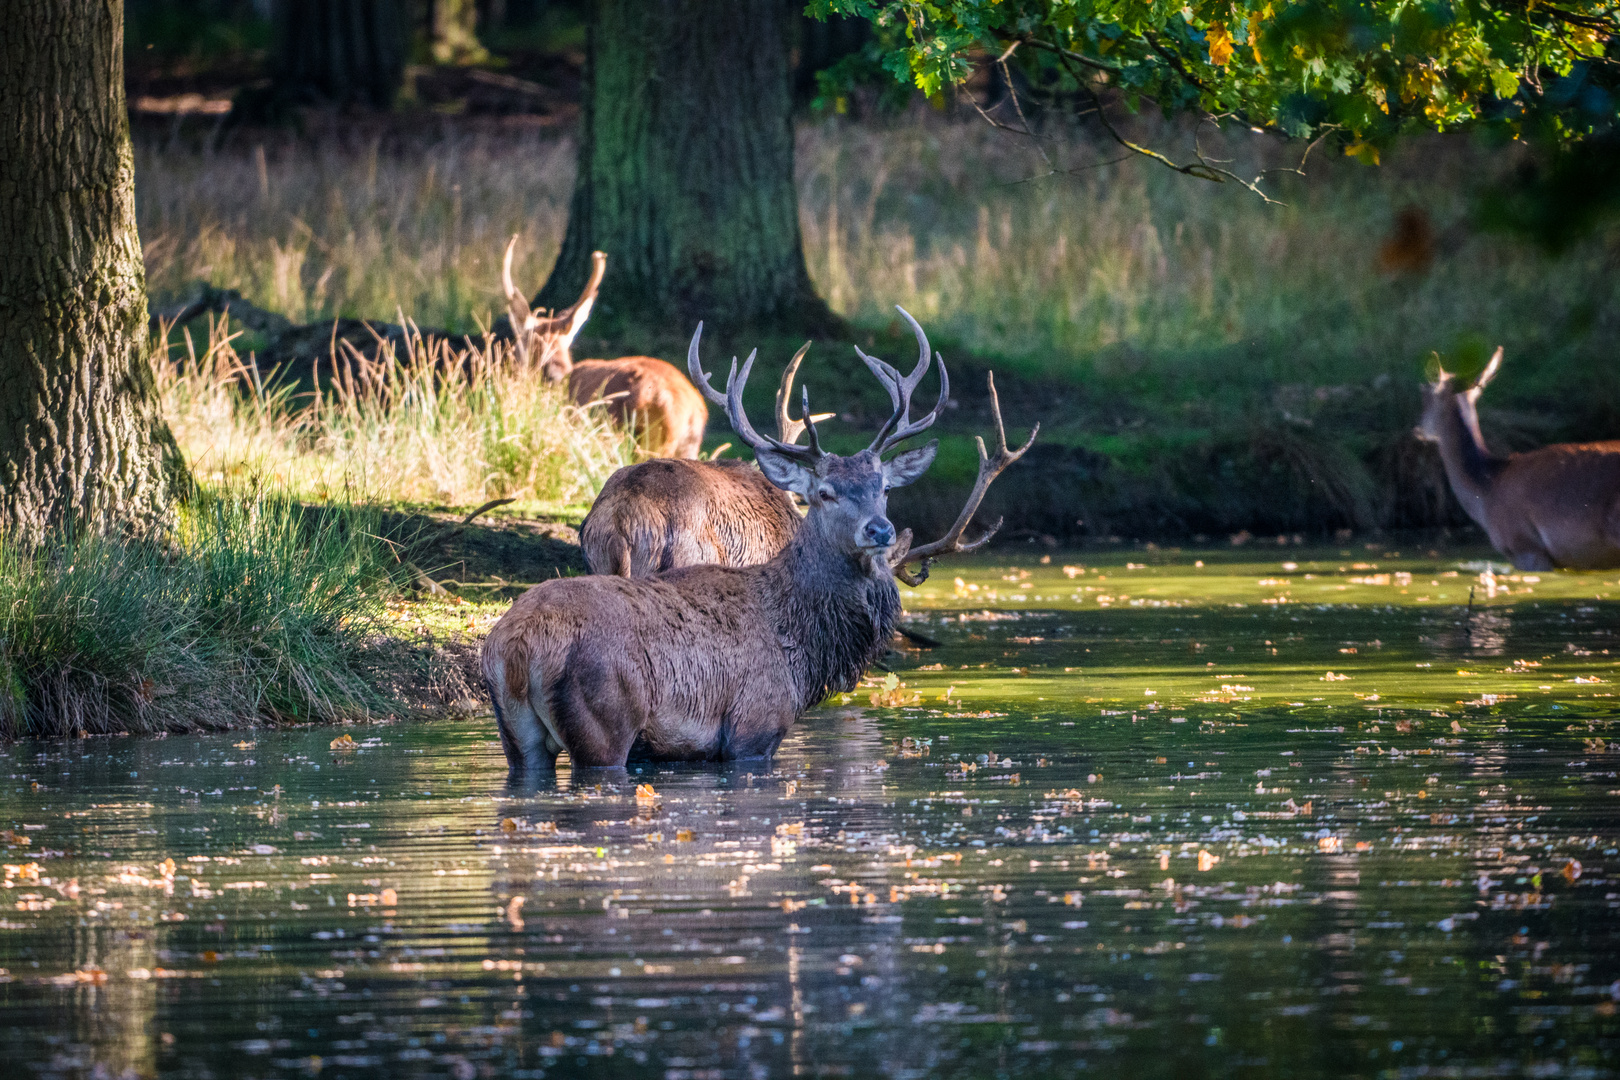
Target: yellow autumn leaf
1220, 45
645, 793
344, 742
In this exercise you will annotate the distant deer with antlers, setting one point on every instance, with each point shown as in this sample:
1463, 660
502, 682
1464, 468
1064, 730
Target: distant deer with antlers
712, 662
658, 515
643, 393
1556, 506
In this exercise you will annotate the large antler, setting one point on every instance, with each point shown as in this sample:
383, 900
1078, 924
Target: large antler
989, 469
527, 324
788, 429
899, 426
732, 402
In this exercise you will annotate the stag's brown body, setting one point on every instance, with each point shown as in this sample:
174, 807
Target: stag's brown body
648, 396
1558, 506
705, 663
710, 662
668, 513
641, 393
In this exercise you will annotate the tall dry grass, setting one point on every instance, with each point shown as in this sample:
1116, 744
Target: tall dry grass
432, 424
951, 218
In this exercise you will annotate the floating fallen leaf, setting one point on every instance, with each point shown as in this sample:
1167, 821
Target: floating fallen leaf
389, 898
509, 825
684, 836
1330, 845
1571, 871
1206, 861
344, 742
645, 795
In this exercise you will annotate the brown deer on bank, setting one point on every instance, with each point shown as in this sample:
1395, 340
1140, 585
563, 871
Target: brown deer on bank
1552, 507
658, 515
714, 662
643, 393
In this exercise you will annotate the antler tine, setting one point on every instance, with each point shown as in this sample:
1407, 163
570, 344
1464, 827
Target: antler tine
989, 468
910, 428
517, 307
902, 389
788, 429
809, 422
735, 382
700, 378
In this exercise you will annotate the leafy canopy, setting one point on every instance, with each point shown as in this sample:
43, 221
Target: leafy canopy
1365, 71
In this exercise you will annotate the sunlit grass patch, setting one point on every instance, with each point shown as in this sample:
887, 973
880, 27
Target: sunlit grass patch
429, 424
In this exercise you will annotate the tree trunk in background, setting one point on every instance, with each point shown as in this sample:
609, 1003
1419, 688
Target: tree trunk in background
686, 169
338, 51
81, 439
453, 32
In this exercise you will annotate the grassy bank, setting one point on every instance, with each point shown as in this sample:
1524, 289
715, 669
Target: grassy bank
1200, 361
256, 609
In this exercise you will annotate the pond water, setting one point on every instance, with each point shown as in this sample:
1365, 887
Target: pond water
1260, 813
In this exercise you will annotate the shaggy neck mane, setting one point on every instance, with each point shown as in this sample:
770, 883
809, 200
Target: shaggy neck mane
835, 617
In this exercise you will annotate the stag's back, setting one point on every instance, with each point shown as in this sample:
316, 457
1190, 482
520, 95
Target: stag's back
667, 411
667, 513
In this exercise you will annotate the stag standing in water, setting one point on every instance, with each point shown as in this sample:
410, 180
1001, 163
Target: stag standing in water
1556, 506
643, 392
658, 515
712, 662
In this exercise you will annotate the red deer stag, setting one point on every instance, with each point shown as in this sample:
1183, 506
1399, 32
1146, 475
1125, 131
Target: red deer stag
658, 515
715, 662
1556, 506
643, 392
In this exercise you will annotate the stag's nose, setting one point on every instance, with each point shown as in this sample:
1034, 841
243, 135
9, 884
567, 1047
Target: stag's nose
879, 532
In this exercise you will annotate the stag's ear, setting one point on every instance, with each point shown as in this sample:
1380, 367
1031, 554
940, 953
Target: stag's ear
786, 473
906, 468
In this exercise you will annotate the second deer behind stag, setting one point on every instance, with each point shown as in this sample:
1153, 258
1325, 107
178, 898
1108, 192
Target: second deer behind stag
643, 393
658, 515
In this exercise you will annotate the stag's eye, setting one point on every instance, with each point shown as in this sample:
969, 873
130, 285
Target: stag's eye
827, 494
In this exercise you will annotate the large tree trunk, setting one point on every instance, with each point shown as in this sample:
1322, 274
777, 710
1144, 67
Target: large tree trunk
337, 51
81, 440
686, 169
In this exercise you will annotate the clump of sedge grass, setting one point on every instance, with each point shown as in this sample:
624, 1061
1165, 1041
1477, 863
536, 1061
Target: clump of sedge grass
428, 424
254, 610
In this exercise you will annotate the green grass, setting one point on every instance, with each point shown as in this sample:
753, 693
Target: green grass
255, 610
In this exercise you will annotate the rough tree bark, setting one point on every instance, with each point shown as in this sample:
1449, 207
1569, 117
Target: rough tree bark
81, 438
686, 168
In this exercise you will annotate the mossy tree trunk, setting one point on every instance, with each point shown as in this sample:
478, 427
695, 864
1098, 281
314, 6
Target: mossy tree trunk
686, 169
81, 438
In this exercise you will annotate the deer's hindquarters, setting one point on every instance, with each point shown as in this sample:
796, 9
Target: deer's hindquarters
600, 665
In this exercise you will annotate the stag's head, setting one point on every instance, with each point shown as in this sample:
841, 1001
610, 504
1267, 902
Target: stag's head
848, 496
544, 339
1443, 398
